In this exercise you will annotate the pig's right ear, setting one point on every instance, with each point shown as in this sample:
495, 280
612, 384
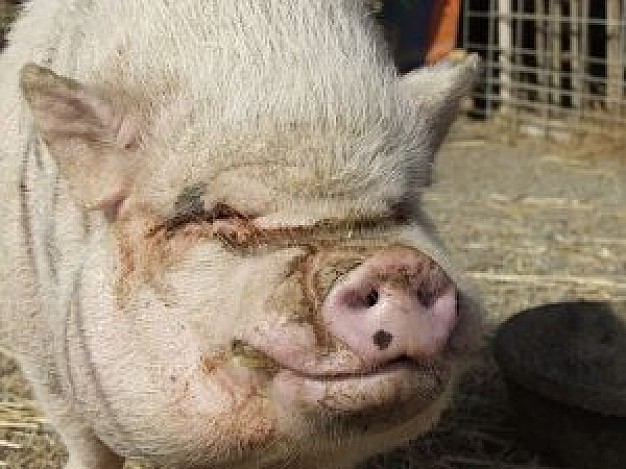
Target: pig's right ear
93, 142
438, 91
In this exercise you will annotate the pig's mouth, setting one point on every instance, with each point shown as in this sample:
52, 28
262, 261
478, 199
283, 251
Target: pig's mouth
247, 356
253, 358
352, 390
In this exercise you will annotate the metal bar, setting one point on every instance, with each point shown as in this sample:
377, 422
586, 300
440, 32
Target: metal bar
505, 41
547, 17
529, 70
597, 98
491, 29
532, 52
584, 47
622, 39
570, 117
518, 41
466, 23
614, 69
554, 39
574, 56
540, 51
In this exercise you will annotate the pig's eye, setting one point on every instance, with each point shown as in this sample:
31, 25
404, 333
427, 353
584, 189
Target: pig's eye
189, 208
189, 201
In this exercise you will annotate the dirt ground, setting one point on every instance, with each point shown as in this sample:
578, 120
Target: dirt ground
531, 222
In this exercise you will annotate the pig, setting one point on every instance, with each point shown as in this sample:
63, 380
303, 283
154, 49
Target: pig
213, 251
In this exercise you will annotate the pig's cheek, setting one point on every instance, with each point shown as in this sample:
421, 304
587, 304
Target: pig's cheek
203, 285
212, 392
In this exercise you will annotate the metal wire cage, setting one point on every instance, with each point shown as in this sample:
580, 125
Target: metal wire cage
552, 67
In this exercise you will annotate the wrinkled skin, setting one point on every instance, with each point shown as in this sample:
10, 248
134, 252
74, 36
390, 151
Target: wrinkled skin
214, 255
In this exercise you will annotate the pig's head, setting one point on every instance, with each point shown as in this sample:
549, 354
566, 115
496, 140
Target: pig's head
263, 291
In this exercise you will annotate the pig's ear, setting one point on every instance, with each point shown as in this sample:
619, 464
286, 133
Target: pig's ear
438, 90
90, 138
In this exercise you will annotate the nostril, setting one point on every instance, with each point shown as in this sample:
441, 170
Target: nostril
371, 299
382, 339
426, 298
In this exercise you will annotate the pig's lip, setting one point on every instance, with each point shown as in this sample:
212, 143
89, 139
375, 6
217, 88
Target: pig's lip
400, 366
331, 368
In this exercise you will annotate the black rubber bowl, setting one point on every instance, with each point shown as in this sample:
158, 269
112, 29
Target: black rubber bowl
565, 369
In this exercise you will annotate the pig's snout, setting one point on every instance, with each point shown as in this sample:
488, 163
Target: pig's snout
398, 304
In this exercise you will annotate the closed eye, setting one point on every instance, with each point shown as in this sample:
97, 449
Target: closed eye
195, 213
189, 208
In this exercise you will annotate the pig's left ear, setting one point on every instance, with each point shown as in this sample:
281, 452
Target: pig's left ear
438, 90
93, 141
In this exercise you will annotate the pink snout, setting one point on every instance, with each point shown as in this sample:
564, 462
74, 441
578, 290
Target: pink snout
398, 304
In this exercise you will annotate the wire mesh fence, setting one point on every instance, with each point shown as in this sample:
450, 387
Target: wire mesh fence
551, 67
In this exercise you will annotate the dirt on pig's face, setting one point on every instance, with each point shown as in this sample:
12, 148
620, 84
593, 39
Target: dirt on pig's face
245, 327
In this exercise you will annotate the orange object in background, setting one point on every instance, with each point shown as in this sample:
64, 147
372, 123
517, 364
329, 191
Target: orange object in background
420, 32
442, 30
